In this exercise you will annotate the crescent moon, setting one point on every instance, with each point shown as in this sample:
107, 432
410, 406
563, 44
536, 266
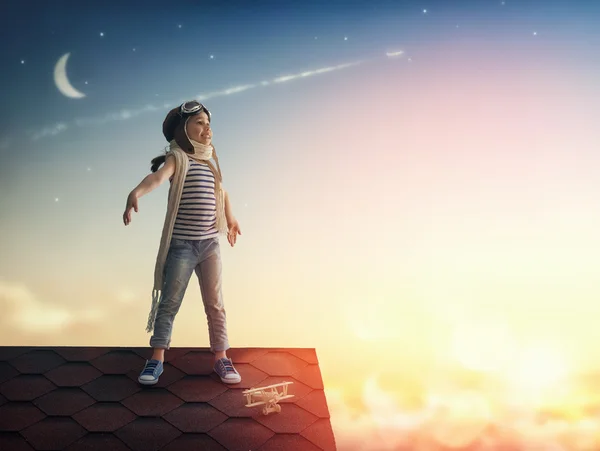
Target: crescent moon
61, 80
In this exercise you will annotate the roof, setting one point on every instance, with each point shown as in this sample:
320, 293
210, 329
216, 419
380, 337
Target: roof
88, 398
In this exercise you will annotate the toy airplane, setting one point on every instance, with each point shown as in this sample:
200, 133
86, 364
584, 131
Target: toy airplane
268, 397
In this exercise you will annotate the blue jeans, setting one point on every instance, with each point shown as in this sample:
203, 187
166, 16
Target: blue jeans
183, 258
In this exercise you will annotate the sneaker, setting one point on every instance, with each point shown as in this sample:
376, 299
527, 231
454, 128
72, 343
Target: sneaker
228, 374
151, 372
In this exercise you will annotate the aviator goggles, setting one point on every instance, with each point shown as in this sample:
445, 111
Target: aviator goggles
192, 107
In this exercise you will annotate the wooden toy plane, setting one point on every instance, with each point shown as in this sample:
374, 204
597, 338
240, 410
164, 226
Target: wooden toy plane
268, 397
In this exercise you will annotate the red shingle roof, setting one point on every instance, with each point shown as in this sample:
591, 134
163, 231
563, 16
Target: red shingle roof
88, 398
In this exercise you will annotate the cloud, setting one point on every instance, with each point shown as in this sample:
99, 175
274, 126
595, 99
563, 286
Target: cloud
127, 114
354, 430
225, 92
452, 419
23, 312
50, 131
126, 296
394, 54
94, 316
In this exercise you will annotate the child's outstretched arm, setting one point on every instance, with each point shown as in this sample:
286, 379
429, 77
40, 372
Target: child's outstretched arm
150, 182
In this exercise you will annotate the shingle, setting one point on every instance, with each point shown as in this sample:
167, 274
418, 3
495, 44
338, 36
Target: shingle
7, 371
311, 376
169, 375
72, 374
321, 434
64, 401
53, 433
288, 442
245, 355
194, 442
81, 354
233, 404
104, 417
12, 441
111, 388
195, 417
190, 397
26, 387
15, 416
98, 441
306, 354
241, 434
10, 352
147, 434
291, 420
316, 403
152, 403
279, 364
145, 352
118, 362
197, 388
251, 376
37, 361
199, 363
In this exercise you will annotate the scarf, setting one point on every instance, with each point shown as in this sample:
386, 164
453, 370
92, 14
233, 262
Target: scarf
202, 154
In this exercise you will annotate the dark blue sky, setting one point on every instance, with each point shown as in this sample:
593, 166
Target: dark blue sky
130, 54
252, 39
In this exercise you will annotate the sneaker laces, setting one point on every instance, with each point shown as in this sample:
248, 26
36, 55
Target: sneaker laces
150, 367
228, 364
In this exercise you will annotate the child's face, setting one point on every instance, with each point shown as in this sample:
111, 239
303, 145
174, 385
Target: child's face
198, 128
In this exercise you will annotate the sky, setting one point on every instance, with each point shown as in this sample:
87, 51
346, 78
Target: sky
416, 183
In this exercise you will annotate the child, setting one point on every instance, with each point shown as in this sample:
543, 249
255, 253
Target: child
198, 211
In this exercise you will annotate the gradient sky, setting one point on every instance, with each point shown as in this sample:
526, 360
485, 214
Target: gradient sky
394, 210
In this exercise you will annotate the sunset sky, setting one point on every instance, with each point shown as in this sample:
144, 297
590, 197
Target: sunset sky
416, 182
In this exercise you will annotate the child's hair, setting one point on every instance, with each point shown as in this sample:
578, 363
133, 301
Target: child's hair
157, 162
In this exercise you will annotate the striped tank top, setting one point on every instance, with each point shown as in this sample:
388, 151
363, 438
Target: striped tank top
197, 213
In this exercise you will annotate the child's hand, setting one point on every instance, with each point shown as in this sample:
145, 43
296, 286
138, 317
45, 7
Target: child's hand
132, 202
233, 232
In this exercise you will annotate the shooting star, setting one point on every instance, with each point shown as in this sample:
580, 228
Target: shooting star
127, 114
394, 54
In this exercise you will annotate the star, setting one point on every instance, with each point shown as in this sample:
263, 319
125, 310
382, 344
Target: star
457, 26
535, 33
212, 57
56, 199
89, 169
22, 61
503, 3
86, 82
316, 38
134, 49
345, 38
424, 11
179, 26
101, 34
